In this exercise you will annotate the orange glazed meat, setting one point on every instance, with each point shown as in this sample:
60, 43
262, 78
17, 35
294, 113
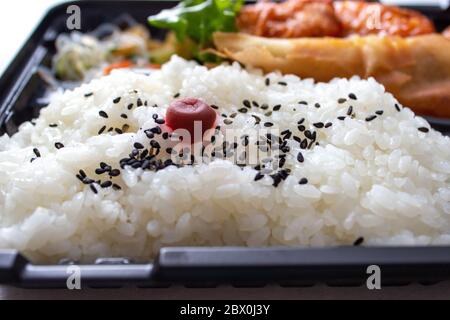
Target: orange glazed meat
322, 18
361, 18
290, 19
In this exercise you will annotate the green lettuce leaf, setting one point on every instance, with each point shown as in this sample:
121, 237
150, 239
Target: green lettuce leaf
198, 20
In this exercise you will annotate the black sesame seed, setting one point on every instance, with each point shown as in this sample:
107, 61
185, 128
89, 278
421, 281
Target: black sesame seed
87, 95
352, 96
59, 145
82, 173
327, 125
358, 241
304, 144
303, 103
116, 187
255, 104
243, 110
265, 106
342, 118
156, 130
214, 107
117, 130
134, 153
397, 107
36, 152
308, 134
267, 82
301, 128
117, 100
350, 110
103, 165
138, 146
303, 181
276, 180
424, 129
300, 157
287, 134
379, 112
342, 100
257, 119
233, 115
298, 139
301, 121
87, 181
318, 125
144, 154
227, 121
247, 104
285, 149
139, 102
268, 124
177, 95
124, 116
155, 144
160, 121
93, 188
102, 130
317, 105
53, 125
100, 171
277, 107
165, 135
368, 119
259, 176
224, 115
282, 83
149, 134
130, 106
115, 173
106, 184
103, 114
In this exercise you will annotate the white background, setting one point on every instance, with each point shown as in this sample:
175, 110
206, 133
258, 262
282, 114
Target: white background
18, 18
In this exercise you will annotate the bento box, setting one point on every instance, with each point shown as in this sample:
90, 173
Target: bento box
22, 96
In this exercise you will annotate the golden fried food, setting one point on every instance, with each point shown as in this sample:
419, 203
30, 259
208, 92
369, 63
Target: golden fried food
415, 69
361, 18
290, 19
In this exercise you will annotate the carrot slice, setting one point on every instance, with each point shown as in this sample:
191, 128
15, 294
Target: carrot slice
119, 65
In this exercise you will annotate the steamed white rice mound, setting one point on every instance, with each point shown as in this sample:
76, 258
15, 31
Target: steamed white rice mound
382, 180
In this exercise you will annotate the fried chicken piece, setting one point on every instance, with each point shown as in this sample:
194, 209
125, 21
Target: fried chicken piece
290, 19
362, 18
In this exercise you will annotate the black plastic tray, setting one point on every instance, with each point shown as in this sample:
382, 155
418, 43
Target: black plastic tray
21, 91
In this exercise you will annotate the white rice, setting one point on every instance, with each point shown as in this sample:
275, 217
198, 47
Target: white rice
382, 180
